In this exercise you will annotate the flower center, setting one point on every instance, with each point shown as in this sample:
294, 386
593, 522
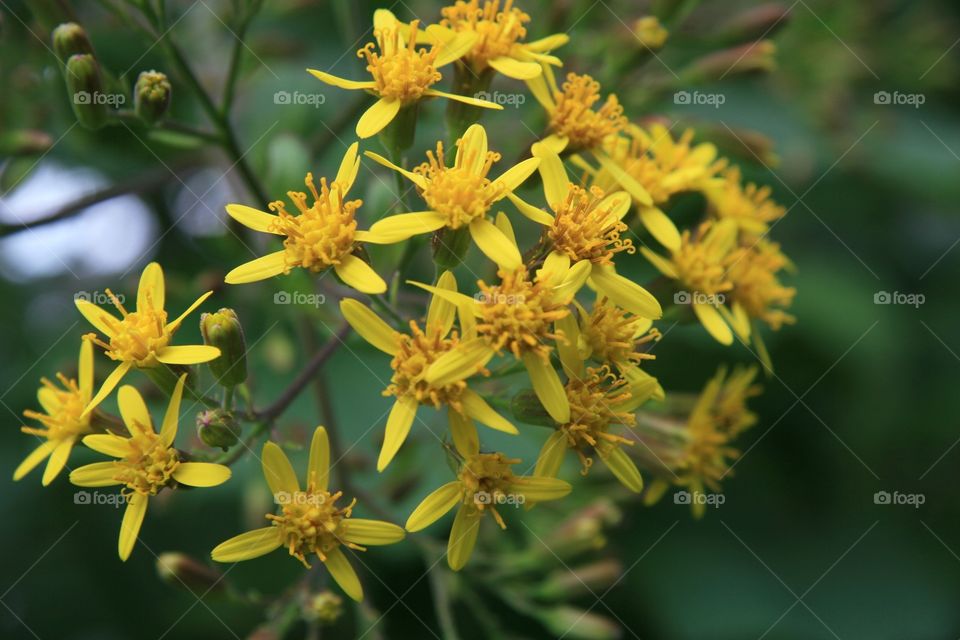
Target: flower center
322, 234
149, 465
701, 264
611, 333
487, 479
460, 193
575, 118
400, 71
591, 412
518, 314
749, 204
137, 336
64, 421
417, 352
753, 271
585, 231
310, 522
498, 30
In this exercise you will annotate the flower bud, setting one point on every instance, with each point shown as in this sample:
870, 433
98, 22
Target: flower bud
217, 428
85, 86
70, 39
526, 407
324, 607
450, 246
566, 584
180, 570
151, 96
756, 22
650, 33
577, 624
223, 330
747, 58
25, 142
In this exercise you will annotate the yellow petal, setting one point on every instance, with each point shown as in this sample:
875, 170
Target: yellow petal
547, 386
452, 48
622, 467
568, 348
518, 174
253, 218
100, 319
555, 143
616, 204
441, 313
249, 545
540, 488
660, 227
464, 433
434, 506
624, 179
272, 264
85, 370
98, 474
405, 225
625, 293
108, 385
349, 167
58, 459
738, 320
277, 471
538, 87
168, 429
472, 149
478, 409
416, 178
188, 354
201, 474
529, 211
173, 326
318, 467
495, 245
133, 410
454, 297
460, 363
463, 537
359, 275
503, 223
548, 43
551, 455
513, 68
713, 322
342, 572
476, 102
556, 185
662, 265
34, 458
108, 444
377, 117
398, 426
49, 400
370, 326
130, 527
343, 83
655, 491
371, 532
384, 19
151, 290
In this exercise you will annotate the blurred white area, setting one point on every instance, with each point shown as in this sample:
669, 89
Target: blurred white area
199, 207
106, 238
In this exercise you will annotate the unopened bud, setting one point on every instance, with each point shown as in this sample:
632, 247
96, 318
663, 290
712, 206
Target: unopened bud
526, 407
324, 607
218, 428
151, 97
577, 624
747, 58
756, 22
85, 86
24, 142
566, 584
223, 330
583, 530
650, 33
450, 246
180, 570
70, 39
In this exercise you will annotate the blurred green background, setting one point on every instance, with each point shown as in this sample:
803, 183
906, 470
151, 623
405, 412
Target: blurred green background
862, 400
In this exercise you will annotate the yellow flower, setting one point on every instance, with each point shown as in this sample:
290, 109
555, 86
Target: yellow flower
587, 227
484, 482
402, 74
753, 271
517, 315
747, 204
309, 522
499, 34
63, 419
459, 196
141, 338
321, 236
574, 125
414, 355
650, 33
146, 461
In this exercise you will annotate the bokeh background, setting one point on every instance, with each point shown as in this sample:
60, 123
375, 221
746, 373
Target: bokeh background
863, 399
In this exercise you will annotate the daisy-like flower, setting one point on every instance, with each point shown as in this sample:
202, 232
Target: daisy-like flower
321, 236
63, 419
141, 338
587, 227
484, 482
700, 267
414, 354
310, 521
459, 197
747, 204
147, 462
402, 74
500, 30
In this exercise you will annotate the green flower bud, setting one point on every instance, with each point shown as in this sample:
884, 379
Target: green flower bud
218, 428
180, 570
762, 21
70, 39
577, 624
223, 330
591, 578
24, 142
85, 86
450, 246
151, 96
526, 407
324, 607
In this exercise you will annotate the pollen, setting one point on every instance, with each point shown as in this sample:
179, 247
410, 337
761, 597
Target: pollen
400, 70
460, 193
499, 29
611, 333
592, 401
149, 465
584, 230
64, 421
486, 479
417, 351
575, 117
136, 336
311, 523
518, 314
322, 233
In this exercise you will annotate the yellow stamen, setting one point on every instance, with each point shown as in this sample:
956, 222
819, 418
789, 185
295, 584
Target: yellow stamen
575, 118
400, 71
458, 192
310, 523
583, 230
499, 29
